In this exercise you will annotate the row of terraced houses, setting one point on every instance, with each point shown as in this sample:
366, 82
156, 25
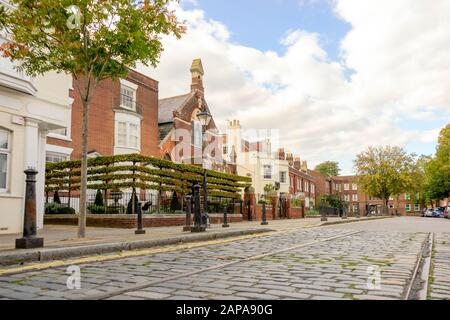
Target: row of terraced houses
40, 122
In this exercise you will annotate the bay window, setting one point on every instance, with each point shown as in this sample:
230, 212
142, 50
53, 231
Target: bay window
128, 135
54, 157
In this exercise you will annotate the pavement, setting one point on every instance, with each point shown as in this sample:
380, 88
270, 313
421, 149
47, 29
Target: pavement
370, 260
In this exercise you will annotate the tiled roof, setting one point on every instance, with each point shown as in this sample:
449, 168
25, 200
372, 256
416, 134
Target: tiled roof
168, 106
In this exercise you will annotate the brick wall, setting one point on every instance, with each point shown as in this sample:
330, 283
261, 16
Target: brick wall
101, 117
129, 221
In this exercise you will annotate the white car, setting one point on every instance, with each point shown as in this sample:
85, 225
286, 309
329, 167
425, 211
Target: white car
429, 213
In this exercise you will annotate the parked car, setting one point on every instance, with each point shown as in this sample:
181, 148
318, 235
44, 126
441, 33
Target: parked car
428, 213
447, 211
438, 212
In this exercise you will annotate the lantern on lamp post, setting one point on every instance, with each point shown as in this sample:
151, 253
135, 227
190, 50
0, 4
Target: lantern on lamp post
205, 118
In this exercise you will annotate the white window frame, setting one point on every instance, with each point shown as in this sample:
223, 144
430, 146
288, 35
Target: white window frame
355, 198
347, 198
47, 153
124, 84
225, 150
7, 152
417, 207
346, 186
407, 196
354, 186
313, 188
270, 175
408, 207
128, 144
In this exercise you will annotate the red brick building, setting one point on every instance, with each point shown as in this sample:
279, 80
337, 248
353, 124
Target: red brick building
122, 120
348, 190
323, 184
180, 136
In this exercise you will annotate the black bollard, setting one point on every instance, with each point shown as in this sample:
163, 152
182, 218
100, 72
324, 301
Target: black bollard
344, 213
225, 217
188, 224
140, 225
264, 215
29, 239
323, 214
198, 227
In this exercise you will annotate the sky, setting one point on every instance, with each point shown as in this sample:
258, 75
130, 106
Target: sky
333, 76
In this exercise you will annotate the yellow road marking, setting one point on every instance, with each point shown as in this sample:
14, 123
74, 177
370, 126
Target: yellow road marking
143, 252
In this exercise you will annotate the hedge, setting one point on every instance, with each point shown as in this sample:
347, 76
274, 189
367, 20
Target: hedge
137, 171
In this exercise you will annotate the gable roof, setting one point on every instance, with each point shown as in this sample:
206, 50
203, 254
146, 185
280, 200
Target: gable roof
168, 106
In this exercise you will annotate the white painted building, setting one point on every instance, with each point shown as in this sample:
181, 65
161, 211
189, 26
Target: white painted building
256, 160
29, 109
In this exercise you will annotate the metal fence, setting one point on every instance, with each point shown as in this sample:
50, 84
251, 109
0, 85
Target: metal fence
330, 211
151, 202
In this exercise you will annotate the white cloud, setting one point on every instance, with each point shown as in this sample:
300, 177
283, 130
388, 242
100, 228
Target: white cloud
399, 53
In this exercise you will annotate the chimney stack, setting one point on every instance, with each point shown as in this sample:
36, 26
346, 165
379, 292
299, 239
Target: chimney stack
281, 154
290, 158
304, 166
297, 163
197, 76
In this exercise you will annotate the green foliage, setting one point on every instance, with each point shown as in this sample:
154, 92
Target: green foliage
56, 198
137, 207
67, 210
97, 209
296, 203
55, 208
333, 201
97, 39
99, 199
438, 169
385, 171
268, 188
175, 204
329, 168
148, 173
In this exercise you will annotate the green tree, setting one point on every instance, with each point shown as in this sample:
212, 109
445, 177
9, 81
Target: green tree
438, 169
99, 199
330, 168
384, 172
333, 201
90, 40
56, 198
419, 181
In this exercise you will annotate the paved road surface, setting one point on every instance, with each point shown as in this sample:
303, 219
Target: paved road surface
339, 262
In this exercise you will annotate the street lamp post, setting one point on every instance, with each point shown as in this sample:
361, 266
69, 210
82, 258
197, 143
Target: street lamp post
205, 118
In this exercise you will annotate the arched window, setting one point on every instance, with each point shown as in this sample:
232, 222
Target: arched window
5, 158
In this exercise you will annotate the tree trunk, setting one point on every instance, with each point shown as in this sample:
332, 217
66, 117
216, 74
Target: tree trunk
83, 186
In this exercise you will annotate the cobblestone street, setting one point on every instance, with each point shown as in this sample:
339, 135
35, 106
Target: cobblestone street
320, 263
